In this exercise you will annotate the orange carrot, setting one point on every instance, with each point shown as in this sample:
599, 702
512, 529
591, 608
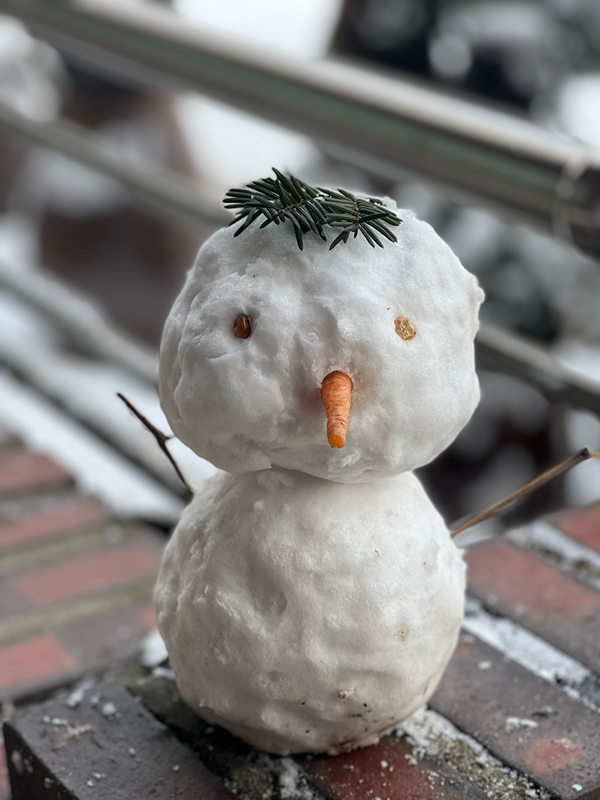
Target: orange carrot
336, 392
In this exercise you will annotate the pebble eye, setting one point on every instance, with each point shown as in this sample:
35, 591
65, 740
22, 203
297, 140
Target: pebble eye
242, 327
405, 329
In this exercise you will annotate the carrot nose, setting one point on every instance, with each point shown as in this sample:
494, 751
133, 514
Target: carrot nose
336, 391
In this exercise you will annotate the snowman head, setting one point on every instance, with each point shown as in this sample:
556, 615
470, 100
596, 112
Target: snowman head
261, 324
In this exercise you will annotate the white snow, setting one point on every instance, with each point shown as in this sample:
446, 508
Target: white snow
517, 723
247, 404
229, 146
97, 468
524, 647
274, 605
153, 650
573, 556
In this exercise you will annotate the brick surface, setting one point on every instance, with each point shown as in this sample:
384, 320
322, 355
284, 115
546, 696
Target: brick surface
64, 516
582, 524
34, 659
85, 574
520, 585
108, 747
40, 663
523, 720
21, 471
387, 770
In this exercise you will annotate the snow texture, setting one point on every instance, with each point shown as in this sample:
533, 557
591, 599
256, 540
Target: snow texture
306, 615
249, 404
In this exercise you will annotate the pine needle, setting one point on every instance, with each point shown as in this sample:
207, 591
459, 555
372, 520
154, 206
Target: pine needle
310, 209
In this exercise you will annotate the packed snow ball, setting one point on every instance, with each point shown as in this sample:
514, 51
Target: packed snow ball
305, 615
252, 403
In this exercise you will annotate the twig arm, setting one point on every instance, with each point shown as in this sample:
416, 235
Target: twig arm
582, 455
160, 437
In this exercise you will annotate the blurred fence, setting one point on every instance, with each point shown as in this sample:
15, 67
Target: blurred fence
388, 126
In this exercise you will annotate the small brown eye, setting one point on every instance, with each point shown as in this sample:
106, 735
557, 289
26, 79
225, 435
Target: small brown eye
242, 327
405, 329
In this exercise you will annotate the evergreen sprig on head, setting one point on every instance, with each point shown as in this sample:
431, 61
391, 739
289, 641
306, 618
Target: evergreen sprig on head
311, 209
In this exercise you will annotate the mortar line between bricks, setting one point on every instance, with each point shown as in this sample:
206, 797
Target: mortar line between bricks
533, 653
53, 618
555, 547
430, 733
68, 544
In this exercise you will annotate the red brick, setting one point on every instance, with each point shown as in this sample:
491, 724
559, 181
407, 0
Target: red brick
582, 524
558, 751
106, 639
88, 574
149, 618
360, 775
21, 471
520, 585
90, 645
43, 523
41, 657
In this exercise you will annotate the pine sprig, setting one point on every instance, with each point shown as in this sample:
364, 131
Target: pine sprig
311, 209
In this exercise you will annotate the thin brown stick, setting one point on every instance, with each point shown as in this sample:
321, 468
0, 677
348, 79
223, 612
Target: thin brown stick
160, 437
582, 455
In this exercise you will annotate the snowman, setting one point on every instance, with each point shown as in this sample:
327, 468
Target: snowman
311, 596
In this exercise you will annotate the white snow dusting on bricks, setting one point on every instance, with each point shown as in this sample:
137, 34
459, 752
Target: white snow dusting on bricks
528, 650
557, 547
431, 734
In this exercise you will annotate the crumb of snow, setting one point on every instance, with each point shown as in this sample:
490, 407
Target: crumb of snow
58, 721
344, 694
154, 651
17, 761
516, 723
291, 782
91, 782
484, 665
76, 696
98, 776
108, 710
46, 719
383, 764
175, 768
131, 751
578, 787
163, 672
95, 699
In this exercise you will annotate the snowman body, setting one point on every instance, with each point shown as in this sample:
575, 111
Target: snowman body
307, 615
311, 600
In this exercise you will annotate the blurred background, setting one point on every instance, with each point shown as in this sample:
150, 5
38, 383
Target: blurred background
89, 267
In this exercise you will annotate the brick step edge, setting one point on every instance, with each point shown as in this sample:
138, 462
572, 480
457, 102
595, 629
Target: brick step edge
106, 744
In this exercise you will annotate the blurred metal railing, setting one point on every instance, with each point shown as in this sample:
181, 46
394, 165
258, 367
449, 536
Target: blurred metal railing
386, 125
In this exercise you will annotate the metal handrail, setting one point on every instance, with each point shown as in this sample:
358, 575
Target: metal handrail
388, 125
172, 196
154, 187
